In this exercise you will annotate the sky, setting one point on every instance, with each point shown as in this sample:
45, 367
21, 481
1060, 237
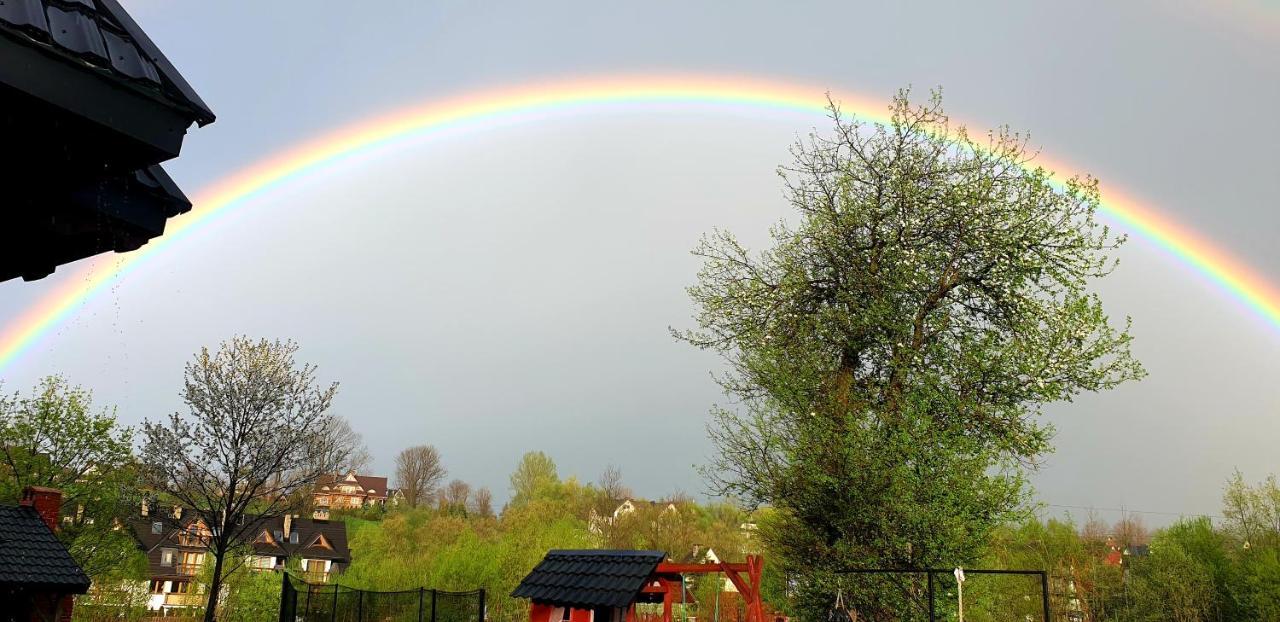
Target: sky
511, 288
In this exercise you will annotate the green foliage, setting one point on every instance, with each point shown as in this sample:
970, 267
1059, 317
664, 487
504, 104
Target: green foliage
535, 475
250, 596
53, 437
893, 348
423, 548
1079, 580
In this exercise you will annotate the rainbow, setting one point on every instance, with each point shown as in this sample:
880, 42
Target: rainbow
521, 104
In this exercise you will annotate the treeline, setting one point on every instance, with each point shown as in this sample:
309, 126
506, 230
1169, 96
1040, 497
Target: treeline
1191, 571
451, 537
448, 546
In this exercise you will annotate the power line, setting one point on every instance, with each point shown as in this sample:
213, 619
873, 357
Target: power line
1131, 511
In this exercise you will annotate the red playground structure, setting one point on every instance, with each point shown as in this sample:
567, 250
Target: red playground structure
606, 585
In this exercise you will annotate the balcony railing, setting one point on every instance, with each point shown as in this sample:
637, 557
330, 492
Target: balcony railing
186, 539
186, 569
184, 600
315, 576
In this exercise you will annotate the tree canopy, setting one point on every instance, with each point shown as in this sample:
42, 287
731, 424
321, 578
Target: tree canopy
890, 352
255, 424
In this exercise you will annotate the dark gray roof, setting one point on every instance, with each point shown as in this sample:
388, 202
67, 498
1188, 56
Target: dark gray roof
31, 557
100, 35
589, 578
153, 544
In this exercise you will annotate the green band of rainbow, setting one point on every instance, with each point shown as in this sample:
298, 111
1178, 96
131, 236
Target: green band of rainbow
535, 101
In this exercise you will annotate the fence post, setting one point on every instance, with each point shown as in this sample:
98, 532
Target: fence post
433, 604
932, 618
481, 605
420, 591
284, 596
333, 613
360, 606
1044, 592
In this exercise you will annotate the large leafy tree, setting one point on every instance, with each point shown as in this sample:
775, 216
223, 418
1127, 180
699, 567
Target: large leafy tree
54, 437
891, 350
256, 421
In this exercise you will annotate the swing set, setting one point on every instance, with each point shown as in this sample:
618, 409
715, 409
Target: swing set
669, 579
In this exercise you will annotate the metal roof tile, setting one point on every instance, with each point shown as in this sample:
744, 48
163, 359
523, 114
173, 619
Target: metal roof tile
126, 59
76, 32
27, 14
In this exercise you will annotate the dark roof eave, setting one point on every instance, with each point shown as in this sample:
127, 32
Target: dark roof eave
62, 588
205, 115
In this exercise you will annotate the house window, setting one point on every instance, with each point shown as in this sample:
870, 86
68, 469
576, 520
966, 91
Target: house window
293, 538
166, 557
566, 615
157, 527
279, 535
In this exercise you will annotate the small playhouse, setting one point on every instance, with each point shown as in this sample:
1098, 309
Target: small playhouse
606, 585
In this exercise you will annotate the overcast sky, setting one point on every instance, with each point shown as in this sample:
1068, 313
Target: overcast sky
511, 289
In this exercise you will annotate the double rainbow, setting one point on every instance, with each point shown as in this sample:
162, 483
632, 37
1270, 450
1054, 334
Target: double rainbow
549, 99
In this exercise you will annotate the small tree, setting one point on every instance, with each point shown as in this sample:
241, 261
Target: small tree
481, 503
342, 448
455, 498
419, 473
247, 444
536, 471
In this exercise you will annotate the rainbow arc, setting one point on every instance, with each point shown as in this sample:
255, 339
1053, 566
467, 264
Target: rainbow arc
536, 101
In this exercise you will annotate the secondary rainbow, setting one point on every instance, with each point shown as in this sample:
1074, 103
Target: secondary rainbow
541, 100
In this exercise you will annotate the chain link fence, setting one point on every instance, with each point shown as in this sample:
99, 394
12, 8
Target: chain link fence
308, 602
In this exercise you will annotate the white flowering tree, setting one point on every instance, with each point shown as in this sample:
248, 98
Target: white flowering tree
256, 422
890, 353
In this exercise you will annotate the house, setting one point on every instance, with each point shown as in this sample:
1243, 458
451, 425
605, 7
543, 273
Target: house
349, 492
38, 577
89, 108
176, 547
597, 523
606, 585
319, 546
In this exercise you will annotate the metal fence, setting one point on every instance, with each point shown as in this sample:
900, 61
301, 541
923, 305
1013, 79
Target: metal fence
307, 602
942, 583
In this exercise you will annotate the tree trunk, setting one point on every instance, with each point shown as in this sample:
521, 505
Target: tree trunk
215, 586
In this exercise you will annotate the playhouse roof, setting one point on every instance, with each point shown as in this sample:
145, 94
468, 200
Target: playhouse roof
586, 579
32, 557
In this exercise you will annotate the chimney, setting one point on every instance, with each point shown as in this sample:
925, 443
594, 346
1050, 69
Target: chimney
47, 503
288, 525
